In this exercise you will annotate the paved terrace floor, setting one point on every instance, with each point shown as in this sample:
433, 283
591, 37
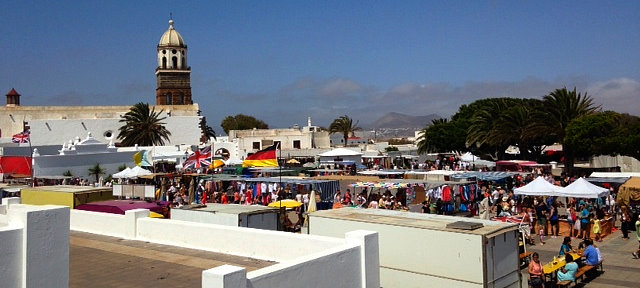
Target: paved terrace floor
102, 261
620, 268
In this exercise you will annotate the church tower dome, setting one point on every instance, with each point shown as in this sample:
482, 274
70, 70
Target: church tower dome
173, 73
172, 38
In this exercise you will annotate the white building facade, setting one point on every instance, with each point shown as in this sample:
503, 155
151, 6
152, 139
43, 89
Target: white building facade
296, 138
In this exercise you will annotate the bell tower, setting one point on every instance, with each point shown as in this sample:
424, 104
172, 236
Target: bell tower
173, 73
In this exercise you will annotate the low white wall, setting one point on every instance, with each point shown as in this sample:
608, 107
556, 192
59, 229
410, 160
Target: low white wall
98, 223
35, 246
116, 225
336, 267
207, 237
225, 219
11, 256
308, 260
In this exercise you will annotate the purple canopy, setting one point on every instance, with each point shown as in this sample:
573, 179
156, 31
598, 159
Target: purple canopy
119, 206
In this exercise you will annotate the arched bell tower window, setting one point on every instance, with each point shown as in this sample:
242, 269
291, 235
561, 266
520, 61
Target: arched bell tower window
164, 62
183, 65
174, 61
182, 98
169, 99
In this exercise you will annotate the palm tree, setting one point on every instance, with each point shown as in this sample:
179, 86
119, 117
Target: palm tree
561, 107
97, 170
143, 126
208, 133
344, 125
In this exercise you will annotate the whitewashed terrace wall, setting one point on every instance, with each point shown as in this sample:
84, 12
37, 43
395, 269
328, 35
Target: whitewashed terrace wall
115, 225
301, 258
233, 240
34, 245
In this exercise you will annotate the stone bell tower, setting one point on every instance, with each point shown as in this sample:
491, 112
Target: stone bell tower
173, 73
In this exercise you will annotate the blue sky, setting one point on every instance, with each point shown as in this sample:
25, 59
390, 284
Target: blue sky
282, 61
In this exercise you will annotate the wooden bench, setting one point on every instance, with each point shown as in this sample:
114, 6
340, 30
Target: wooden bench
582, 271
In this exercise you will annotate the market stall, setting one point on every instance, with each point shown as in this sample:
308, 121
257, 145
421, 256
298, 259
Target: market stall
629, 192
538, 187
581, 188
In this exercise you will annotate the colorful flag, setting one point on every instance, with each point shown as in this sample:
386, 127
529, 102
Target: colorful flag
201, 158
264, 158
22, 137
143, 158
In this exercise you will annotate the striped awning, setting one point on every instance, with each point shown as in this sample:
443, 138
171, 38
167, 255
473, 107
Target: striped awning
487, 176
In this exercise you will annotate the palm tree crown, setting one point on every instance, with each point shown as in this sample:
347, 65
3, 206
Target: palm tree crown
143, 126
563, 105
344, 125
97, 170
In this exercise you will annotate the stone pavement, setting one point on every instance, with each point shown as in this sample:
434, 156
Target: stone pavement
620, 268
102, 261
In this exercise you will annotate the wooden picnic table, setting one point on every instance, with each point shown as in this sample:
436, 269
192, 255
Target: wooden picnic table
550, 269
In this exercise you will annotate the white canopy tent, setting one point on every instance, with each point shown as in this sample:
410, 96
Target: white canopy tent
539, 187
122, 174
582, 188
475, 160
137, 172
340, 152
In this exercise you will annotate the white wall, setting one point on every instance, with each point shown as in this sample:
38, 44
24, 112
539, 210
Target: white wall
266, 220
11, 256
207, 237
417, 251
98, 223
34, 249
205, 217
184, 129
412, 256
79, 164
309, 259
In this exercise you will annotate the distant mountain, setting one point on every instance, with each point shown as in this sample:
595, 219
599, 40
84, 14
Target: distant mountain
396, 120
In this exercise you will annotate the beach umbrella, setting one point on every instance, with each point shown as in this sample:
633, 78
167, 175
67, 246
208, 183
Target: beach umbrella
313, 207
288, 203
216, 164
163, 189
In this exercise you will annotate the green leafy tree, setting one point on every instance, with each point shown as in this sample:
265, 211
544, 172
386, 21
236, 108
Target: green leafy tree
242, 122
443, 136
485, 116
561, 107
97, 170
143, 126
344, 125
514, 127
67, 173
604, 133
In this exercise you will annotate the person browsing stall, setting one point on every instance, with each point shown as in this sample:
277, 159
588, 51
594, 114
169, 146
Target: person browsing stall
637, 253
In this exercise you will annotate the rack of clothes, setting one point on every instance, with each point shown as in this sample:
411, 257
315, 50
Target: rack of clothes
455, 197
